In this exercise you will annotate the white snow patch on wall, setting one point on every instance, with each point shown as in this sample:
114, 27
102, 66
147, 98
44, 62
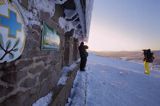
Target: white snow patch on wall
81, 16
69, 13
65, 71
32, 13
65, 25
44, 101
78, 34
64, 77
60, 1
43, 5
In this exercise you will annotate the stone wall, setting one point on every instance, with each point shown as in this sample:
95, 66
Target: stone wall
60, 98
36, 72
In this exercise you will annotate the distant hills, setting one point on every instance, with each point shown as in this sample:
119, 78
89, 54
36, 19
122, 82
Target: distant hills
129, 55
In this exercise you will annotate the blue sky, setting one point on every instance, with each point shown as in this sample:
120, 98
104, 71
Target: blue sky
130, 25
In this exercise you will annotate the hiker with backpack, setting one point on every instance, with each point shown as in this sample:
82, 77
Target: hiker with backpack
148, 58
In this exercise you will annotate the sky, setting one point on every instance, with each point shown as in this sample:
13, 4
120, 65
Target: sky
125, 25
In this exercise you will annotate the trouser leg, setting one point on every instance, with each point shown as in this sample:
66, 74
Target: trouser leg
146, 67
83, 63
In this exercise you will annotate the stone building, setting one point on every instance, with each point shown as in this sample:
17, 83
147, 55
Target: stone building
38, 65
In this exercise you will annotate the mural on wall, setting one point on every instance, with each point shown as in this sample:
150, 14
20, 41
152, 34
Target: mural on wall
12, 34
50, 39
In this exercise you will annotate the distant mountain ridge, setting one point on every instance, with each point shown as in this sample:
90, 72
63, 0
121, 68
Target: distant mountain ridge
129, 55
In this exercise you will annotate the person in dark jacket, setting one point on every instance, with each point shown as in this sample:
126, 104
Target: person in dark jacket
83, 55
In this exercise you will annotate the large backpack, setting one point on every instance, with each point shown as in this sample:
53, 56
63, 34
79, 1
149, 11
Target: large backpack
148, 55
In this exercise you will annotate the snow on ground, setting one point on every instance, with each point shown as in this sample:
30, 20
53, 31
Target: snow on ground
114, 82
44, 101
78, 94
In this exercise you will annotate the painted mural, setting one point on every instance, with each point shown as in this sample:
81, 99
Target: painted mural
12, 34
50, 39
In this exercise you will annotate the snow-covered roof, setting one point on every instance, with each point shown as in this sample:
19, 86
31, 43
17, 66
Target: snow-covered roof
80, 15
83, 17
89, 8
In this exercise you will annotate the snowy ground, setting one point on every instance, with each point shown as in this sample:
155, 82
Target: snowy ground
112, 82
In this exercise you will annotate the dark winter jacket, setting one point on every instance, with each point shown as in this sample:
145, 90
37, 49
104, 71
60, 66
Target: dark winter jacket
82, 51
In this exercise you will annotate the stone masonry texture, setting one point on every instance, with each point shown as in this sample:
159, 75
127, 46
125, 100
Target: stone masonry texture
36, 72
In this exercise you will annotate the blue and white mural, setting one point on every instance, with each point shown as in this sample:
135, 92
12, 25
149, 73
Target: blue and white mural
12, 34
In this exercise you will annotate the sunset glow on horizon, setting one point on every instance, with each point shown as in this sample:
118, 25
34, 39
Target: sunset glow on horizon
125, 25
